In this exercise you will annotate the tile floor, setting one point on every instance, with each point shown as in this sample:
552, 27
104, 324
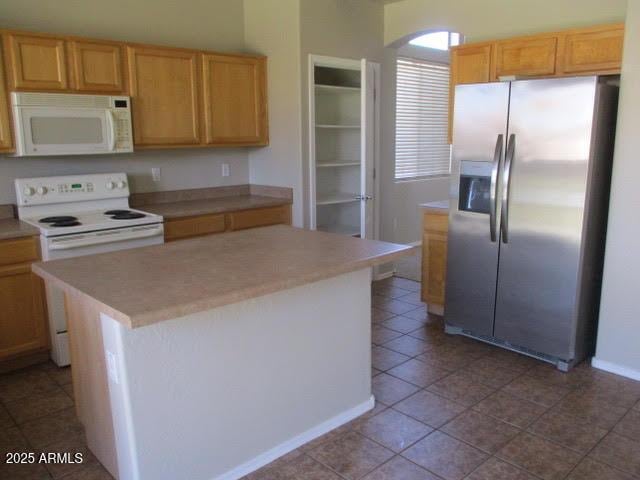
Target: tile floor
447, 408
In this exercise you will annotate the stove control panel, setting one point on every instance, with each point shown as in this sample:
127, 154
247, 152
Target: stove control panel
76, 188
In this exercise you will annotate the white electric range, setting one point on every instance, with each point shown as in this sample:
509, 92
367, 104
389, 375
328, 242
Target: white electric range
81, 215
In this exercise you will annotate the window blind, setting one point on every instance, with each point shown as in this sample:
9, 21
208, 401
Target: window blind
422, 109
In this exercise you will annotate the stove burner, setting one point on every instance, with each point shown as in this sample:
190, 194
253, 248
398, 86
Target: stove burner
66, 223
116, 212
61, 218
128, 216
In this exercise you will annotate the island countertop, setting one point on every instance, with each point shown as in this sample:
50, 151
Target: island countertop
146, 285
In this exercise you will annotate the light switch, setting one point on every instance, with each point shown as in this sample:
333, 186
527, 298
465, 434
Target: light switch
225, 169
155, 174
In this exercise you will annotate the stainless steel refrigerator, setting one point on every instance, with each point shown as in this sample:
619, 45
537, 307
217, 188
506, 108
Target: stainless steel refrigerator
531, 165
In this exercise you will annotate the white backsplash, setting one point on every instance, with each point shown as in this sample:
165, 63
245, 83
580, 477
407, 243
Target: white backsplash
179, 168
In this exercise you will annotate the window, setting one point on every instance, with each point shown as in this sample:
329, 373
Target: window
437, 40
422, 110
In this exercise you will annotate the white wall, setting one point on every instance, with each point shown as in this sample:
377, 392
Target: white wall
345, 29
496, 18
400, 217
210, 24
618, 346
301, 366
273, 28
207, 24
179, 169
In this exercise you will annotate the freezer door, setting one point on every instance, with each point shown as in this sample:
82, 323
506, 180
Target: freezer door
545, 182
479, 130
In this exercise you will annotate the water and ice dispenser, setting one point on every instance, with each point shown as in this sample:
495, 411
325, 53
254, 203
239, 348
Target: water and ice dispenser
475, 186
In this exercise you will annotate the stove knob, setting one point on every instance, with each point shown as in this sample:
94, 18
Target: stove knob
111, 185
42, 190
122, 184
29, 191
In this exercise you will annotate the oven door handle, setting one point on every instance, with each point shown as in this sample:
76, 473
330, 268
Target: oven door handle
105, 238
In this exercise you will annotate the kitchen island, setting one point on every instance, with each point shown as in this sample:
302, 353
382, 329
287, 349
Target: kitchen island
208, 358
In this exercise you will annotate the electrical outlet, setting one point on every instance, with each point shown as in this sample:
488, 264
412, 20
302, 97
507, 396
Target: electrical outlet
155, 174
225, 169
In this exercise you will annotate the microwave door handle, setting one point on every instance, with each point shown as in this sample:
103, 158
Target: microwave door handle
493, 193
112, 130
506, 183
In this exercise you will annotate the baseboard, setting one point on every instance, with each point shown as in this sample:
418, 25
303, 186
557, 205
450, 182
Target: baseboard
615, 368
383, 275
290, 445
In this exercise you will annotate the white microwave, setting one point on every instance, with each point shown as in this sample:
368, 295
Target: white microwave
71, 124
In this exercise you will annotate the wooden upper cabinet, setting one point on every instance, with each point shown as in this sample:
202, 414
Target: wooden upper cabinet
36, 62
6, 140
164, 88
234, 94
595, 50
97, 66
470, 64
526, 57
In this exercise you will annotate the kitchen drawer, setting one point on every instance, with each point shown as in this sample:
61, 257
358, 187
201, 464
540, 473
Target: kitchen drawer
19, 250
178, 228
259, 217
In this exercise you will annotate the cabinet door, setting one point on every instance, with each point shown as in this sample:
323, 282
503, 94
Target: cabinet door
164, 89
434, 261
259, 217
36, 63
6, 140
531, 56
469, 64
598, 50
22, 316
97, 67
175, 229
235, 108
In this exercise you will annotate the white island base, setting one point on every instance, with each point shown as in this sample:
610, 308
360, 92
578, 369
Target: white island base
220, 393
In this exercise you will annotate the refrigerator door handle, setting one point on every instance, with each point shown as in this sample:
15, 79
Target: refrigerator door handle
493, 193
506, 182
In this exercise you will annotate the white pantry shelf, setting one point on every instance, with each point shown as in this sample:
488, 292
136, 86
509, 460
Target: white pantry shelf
326, 125
335, 198
336, 88
351, 230
337, 164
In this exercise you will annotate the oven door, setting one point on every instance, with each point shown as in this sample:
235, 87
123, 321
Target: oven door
64, 131
76, 245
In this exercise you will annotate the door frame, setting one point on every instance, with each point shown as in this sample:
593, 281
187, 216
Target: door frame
351, 64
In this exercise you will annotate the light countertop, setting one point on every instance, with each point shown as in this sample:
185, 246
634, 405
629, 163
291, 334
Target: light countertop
441, 206
188, 208
145, 285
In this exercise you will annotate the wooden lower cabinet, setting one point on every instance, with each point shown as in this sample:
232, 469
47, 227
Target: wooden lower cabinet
434, 259
23, 323
259, 217
188, 227
178, 228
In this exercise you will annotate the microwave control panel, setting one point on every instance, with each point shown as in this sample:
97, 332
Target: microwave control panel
121, 113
